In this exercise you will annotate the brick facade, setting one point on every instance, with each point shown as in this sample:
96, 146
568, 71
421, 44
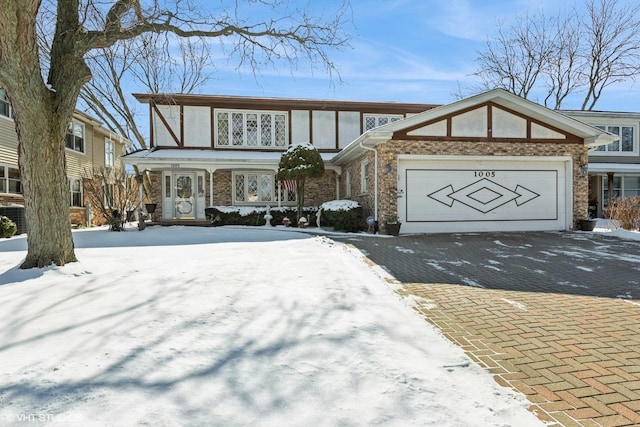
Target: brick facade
317, 190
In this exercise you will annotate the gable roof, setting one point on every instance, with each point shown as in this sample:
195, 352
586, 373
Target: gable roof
556, 121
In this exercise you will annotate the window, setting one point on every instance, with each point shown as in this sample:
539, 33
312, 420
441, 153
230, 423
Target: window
374, 120
10, 180
625, 145
251, 129
5, 107
108, 195
364, 177
75, 185
109, 153
347, 184
623, 186
253, 187
74, 139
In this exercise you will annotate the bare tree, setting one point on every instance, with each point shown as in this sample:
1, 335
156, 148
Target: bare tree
111, 193
517, 56
43, 106
612, 51
566, 54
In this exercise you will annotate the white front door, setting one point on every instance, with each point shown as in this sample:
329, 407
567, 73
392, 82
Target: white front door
184, 197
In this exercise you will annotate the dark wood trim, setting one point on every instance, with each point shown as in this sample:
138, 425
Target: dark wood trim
337, 121
212, 125
181, 126
151, 127
166, 125
569, 138
489, 124
283, 104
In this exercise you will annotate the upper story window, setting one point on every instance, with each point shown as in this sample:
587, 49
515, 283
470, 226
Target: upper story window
74, 139
251, 129
374, 120
5, 107
627, 143
10, 180
109, 153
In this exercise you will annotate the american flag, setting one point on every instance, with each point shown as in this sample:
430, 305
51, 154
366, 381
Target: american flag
289, 185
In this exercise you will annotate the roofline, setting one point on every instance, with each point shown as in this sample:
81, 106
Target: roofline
286, 103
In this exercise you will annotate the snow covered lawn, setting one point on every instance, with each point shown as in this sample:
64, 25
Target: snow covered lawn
229, 326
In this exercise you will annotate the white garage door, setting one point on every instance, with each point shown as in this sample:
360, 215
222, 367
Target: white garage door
453, 194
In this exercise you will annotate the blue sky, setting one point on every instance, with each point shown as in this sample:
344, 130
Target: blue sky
404, 51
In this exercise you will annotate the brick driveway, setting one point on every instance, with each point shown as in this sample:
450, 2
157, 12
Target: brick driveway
553, 315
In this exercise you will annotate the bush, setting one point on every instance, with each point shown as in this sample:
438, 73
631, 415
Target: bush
626, 210
254, 215
8, 228
343, 215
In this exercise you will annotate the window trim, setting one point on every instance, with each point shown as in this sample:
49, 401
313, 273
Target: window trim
364, 177
71, 192
259, 114
347, 184
5, 100
390, 119
618, 153
84, 137
7, 180
109, 155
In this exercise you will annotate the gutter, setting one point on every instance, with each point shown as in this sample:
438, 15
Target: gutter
375, 178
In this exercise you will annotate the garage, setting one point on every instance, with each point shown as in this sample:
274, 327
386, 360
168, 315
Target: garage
491, 162
456, 194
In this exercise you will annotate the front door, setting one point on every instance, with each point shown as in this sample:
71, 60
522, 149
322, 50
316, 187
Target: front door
184, 200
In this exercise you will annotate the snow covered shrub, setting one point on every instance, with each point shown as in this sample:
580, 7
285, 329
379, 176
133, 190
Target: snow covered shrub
7, 227
343, 215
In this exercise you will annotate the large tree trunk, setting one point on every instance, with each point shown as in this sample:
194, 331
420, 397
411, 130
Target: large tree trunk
41, 117
45, 187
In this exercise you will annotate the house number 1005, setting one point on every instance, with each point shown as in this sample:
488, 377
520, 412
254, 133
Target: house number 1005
485, 174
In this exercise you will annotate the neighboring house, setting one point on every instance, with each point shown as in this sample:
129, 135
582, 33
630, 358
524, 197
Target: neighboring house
89, 147
492, 162
614, 169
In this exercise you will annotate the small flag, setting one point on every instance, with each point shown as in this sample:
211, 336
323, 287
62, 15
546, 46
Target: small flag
289, 185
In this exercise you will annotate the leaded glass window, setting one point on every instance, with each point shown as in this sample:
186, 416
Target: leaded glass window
251, 129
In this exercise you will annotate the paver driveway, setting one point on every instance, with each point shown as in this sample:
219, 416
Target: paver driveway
553, 315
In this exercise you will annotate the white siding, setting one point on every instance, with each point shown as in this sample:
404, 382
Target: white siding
197, 126
324, 129
171, 114
348, 127
300, 127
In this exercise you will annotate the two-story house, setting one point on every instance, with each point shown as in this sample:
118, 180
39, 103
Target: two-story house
614, 169
493, 161
89, 147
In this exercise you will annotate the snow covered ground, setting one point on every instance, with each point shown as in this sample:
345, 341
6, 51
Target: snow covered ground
228, 326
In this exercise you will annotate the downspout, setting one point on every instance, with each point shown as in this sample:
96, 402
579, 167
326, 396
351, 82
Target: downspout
375, 180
